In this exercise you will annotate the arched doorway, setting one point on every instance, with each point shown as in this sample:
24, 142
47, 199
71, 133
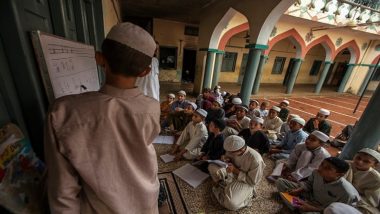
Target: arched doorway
339, 68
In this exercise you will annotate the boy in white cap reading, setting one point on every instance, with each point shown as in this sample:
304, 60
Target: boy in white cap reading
237, 122
98, 145
319, 123
180, 103
291, 139
272, 123
192, 138
237, 182
366, 180
323, 187
306, 157
284, 110
255, 137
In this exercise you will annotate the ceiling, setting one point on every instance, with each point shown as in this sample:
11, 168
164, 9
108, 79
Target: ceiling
177, 10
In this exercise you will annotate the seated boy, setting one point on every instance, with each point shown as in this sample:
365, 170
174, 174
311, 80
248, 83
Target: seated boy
366, 180
284, 110
178, 120
306, 157
213, 148
319, 123
255, 137
323, 187
215, 112
253, 109
237, 122
165, 108
264, 109
192, 138
285, 127
180, 103
291, 139
272, 123
204, 100
235, 185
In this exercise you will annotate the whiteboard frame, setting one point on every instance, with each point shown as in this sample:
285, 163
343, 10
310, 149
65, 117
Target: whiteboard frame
42, 64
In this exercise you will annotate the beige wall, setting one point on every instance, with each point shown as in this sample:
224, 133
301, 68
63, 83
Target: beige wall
171, 34
110, 14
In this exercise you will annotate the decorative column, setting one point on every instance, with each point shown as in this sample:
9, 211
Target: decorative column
366, 80
346, 77
322, 78
256, 85
208, 68
366, 132
250, 71
293, 75
217, 68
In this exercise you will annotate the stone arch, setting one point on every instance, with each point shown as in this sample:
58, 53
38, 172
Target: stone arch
222, 24
229, 34
374, 62
294, 37
327, 44
354, 51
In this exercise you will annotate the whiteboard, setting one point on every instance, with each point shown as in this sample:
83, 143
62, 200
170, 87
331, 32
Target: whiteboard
67, 67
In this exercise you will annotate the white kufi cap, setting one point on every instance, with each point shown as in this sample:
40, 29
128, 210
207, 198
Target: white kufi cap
324, 112
321, 136
134, 37
258, 120
286, 102
299, 120
236, 101
371, 152
233, 143
276, 108
202, 112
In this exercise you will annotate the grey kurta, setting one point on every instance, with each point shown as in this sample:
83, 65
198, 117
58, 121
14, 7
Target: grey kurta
99, 152
303, 162
368, 185
192, 138
240, 188
326, 193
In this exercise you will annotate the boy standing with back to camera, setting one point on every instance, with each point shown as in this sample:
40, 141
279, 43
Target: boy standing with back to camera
98, 145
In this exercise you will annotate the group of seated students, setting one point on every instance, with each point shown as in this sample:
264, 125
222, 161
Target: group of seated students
219, 127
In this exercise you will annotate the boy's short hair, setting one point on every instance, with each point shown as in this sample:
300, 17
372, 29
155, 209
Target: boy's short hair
219, 123
128, 49
340, 165
266, 103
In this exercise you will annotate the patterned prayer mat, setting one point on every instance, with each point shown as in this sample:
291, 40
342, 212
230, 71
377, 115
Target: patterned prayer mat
174, 199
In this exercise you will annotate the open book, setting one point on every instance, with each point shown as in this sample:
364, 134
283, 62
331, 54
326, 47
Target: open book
291, 201
217, 162
191, 175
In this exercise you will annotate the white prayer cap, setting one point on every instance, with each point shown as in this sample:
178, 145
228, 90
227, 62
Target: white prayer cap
134, 37
276, 108
299, 120
255, 101
233, 143
258, 120
324, 112
371, 152
202, 112
217, 87
224, 93
171, 95
193, 105
321, 136
236, 101
181, 92
245, 108
293, 115
285, 101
